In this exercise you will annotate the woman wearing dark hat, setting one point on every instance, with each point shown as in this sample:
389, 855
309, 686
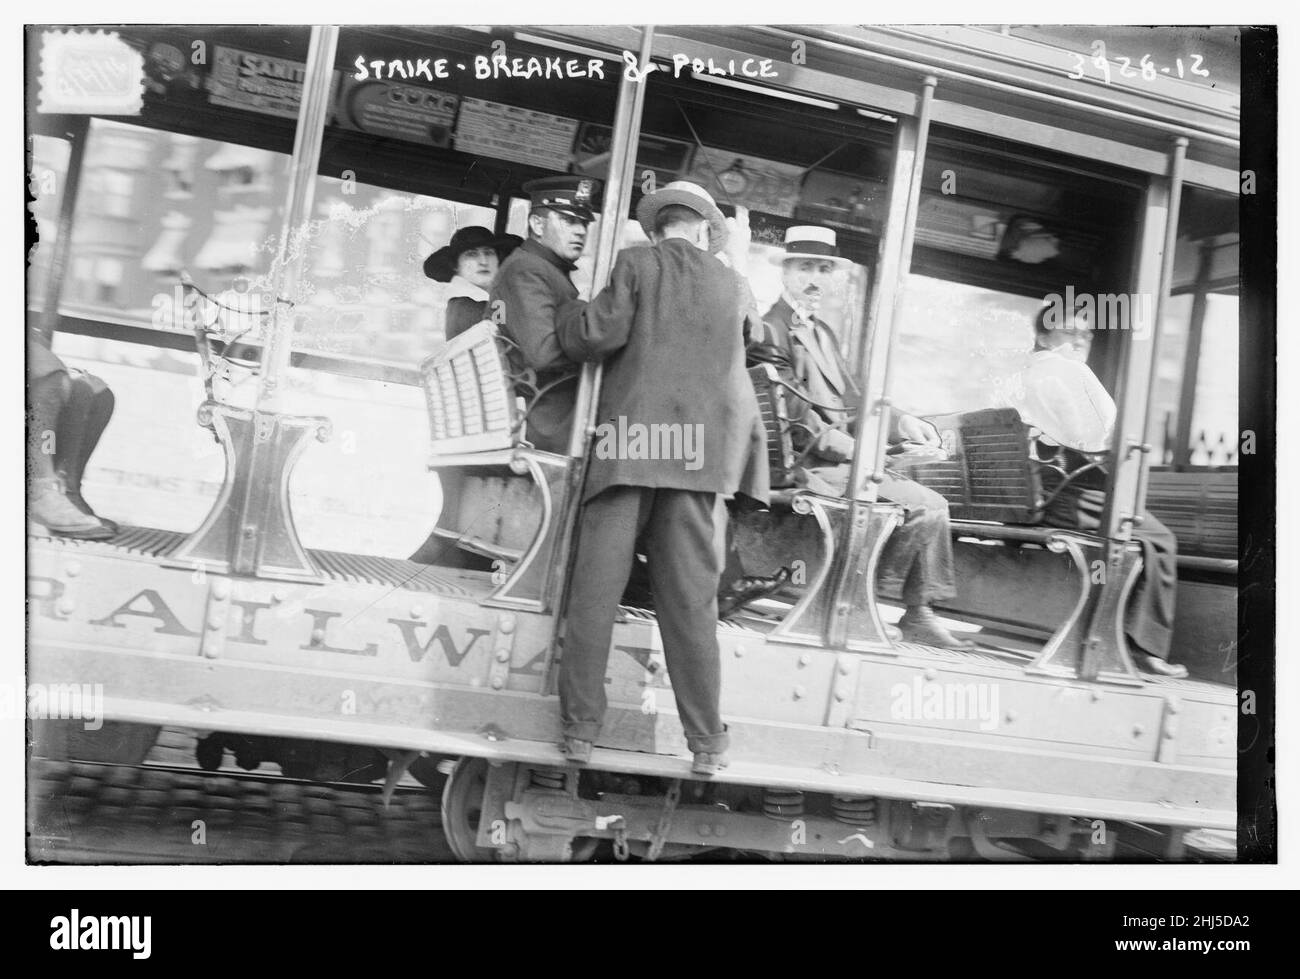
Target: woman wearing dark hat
469, 264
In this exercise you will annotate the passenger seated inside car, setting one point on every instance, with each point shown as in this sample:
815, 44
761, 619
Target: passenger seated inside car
824, 415
1064, 401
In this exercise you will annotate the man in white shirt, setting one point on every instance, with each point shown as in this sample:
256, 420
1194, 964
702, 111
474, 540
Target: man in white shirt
1058, 394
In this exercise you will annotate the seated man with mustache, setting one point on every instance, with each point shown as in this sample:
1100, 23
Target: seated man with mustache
919, 553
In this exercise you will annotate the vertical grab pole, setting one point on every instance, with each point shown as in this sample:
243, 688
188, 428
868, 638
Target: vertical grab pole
882, 319
863, 531
79, 134
615, 200
1103, 648
290, 254
1130, 449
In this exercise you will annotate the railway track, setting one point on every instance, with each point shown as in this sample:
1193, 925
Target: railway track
168, 811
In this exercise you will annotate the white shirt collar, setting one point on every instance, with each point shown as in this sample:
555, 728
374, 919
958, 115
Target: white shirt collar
460, 286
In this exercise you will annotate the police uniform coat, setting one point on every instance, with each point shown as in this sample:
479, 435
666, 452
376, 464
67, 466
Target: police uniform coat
668, 328
532, 286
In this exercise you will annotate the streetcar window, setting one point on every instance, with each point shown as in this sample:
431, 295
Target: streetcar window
368, 296
1001, 229
152, 203
959, 347
1195, 396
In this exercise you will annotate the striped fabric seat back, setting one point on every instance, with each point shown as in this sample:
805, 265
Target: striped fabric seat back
1200, 507
776, 422
470, 399
988, 474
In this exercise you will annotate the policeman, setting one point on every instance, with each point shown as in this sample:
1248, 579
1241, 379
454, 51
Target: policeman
668, 329
532, 286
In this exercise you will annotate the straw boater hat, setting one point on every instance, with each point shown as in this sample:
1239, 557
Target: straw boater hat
810, 241
441, 265
689, 195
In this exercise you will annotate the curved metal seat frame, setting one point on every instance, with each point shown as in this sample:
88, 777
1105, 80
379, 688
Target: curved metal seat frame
478, 418
995, 492
250, 528
838, 605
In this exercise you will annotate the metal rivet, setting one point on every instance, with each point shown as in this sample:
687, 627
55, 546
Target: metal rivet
1096, 696
705, 829
503, 655
1171, 704
221, 588
805, 659
931, 673
1138, 730
277, 596
799, 692
498, 682
72, 569
719, 830
1011, 716
66, 606
317, 636
507, 624
417, 611
738, 652
216, 620
845, 669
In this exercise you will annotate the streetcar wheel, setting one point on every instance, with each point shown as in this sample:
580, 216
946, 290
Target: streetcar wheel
462, 807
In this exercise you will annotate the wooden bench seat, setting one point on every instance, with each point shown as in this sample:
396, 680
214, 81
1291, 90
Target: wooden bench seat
995, 490
502, 496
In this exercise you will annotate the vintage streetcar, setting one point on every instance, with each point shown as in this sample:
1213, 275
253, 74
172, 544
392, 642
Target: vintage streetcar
244, 248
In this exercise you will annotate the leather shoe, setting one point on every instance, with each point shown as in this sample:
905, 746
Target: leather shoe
577, 750
920, 624
56, 513
79, 501
709, 762
744, 591
1152, 664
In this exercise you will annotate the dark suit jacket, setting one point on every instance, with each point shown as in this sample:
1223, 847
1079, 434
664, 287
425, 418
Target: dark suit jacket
533, 285
822, 374
462, 313
668, 327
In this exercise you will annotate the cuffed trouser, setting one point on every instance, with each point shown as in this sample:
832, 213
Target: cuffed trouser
918, 555
677, 530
